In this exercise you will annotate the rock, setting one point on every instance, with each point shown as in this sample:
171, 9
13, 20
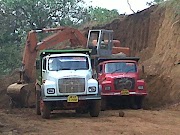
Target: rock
1, 125
121, 114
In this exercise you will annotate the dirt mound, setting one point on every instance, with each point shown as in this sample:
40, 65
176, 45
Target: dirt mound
4, 83
154, 35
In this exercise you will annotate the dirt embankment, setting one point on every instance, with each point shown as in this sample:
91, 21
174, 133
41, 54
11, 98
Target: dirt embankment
154, 36
4, 83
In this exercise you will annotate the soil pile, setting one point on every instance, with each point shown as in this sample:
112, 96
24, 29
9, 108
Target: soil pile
4, 83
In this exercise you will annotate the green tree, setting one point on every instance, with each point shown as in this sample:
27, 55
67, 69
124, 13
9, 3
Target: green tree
10, 59
174, 4
17, 17
101, 15
154, 2
37, 14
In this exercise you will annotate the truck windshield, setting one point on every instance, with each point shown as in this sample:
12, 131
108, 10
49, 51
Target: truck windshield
120, 67
68, 63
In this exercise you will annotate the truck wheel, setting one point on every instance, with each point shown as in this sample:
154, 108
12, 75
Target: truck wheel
95, 108
38, 111
81, 111
139, 101
132, 103
45, 110
103, 104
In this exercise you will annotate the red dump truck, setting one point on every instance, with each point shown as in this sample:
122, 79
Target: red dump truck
120, 82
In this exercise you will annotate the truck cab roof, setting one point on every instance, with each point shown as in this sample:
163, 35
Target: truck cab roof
76, 51
117, 59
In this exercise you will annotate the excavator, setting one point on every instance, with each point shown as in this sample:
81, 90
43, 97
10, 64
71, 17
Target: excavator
22, 93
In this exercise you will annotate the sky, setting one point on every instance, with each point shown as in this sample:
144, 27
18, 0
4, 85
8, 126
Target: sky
120, 5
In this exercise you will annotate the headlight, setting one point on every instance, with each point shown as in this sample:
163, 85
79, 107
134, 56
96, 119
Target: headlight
92, 89
50, 90
140, 87
108, 88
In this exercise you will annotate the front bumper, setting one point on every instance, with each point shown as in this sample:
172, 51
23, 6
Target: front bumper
64, 98
119, 94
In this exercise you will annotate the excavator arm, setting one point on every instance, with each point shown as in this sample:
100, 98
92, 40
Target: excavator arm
32, 46
21, 93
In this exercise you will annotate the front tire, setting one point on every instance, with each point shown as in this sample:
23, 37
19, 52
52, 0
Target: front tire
95, 108
38, 110
139, 101
45, 110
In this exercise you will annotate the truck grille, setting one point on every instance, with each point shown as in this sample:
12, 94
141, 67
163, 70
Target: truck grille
71, 85
124, 83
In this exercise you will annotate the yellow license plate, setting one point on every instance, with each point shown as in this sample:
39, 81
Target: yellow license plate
72, 98
125, 92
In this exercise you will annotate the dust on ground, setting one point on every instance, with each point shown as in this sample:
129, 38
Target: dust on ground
135, 122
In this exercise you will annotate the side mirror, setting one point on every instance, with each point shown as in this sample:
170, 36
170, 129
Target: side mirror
94, 76
37, 64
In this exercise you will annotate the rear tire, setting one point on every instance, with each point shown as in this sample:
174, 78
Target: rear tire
95, 108
45, 110
139, 101
103, 104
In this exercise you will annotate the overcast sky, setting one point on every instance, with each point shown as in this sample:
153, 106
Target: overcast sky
120, 5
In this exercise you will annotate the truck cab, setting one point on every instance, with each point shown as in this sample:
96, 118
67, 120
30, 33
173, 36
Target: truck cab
119, 79
67, 83
100, 41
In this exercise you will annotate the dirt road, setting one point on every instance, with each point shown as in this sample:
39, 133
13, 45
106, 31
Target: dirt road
135, 122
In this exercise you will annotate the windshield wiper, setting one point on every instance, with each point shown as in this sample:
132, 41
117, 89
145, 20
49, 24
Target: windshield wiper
128, 71
65, 69
80, 69
116, 70
121, 69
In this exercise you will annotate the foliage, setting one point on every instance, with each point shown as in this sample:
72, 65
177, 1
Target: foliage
17, 17
175, 4
38, 14
154, 2
10, 58
7, 27
101, 15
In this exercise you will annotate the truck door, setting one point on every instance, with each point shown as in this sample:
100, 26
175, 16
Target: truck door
44, 68
100, 73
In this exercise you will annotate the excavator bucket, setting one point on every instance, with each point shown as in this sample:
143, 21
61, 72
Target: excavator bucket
20, 95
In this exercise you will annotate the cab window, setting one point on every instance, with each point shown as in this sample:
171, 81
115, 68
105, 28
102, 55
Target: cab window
44, 64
